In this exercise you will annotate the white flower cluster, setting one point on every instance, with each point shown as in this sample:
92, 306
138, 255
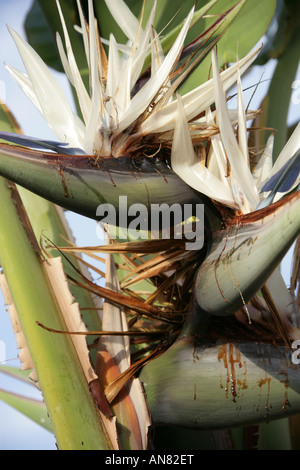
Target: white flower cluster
114, 116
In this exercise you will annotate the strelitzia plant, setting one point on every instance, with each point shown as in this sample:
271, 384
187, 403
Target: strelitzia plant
174, 318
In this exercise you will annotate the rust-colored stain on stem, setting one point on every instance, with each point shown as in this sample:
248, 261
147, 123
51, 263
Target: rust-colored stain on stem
231, 356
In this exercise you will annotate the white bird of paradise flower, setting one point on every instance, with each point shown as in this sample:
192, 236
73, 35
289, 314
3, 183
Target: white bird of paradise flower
120, 115
114, 118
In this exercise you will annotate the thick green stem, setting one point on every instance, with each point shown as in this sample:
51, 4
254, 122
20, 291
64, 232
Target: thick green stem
220, 385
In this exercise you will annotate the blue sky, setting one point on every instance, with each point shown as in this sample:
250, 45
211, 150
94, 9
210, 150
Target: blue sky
17, 432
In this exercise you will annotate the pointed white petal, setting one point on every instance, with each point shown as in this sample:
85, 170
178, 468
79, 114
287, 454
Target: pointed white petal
185, 165
113, 77
239, 167
123, 48
157, 53
64, 59
94, 68
113, 73
233, 114
143, 47
291, 147
217, 161
123, 95
124, 17
263, 169
196, 101
52, 101
73, 72
24, 82
84, 31
157, 58
114, 319
143, 98
242, 127
92, 133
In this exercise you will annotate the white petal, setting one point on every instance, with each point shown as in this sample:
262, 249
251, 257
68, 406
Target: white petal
84, 32
123, 48
143, 47
52, 101
64, 59
123, 94
113, 77
196, 101
157, 53
114, 319
76, 79
113, 73
92, 126
184, 163
24, 82
143, 98
242, 127
217, 161
237, 161
290, 148
124, 17
263, 169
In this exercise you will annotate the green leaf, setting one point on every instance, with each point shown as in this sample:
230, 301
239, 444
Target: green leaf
55, 359
169, 36
42, 24
287, 18
40, 30
33, 409
169, 14
243, 34
22, 375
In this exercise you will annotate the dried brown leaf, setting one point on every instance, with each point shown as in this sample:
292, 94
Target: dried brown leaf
138, 247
